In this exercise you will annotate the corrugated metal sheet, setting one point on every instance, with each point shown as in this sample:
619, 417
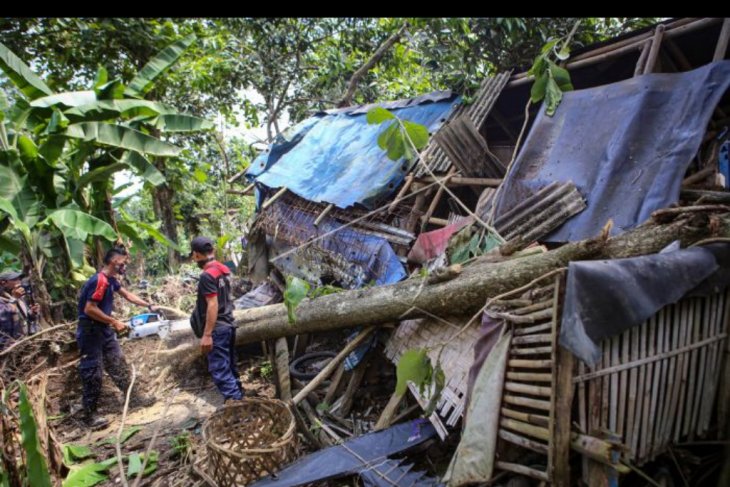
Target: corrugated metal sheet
468, 150
478, 111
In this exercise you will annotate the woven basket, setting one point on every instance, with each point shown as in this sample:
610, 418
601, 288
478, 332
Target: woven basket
248, 440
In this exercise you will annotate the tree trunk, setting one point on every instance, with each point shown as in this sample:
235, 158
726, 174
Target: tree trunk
162, 202
469, 291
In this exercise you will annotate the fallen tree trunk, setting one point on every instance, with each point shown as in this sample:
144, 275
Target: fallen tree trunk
467, 292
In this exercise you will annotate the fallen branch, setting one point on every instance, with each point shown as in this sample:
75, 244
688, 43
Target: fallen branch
34, 336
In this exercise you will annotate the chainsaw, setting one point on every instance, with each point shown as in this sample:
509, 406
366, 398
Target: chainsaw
155, 324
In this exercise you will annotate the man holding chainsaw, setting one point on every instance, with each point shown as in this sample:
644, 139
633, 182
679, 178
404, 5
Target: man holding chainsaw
97, 340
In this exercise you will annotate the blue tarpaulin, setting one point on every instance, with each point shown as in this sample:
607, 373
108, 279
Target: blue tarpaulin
626, 146
334, 157
346, 256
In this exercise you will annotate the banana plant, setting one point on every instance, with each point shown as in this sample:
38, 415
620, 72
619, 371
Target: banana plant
59, 153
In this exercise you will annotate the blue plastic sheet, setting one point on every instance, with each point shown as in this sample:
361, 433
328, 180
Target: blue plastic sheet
353, 456
334, 157
626, 146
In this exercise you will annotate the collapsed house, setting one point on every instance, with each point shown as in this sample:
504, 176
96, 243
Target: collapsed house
616, 359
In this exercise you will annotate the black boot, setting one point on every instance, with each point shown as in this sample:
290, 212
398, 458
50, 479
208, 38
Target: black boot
93, 421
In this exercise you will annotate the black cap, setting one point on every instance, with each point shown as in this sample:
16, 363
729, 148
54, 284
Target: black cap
204, 245
11, 275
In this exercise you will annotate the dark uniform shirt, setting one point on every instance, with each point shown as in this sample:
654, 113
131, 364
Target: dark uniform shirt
100, 288
215, 280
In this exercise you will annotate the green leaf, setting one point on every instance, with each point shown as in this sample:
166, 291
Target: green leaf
564, 53
73, 453
113, 90
129, 231
296, 291
414, 366
108, 109
7, 207
35, 461
77, 224
561, 77
52, 148
76, 252
10, 245
538, 66
143, 82
549, 45
20, 195
127, 433
537, 93
200, 176
86, 475
181, 123
417, 132
68, 98
386, 135
101, 77
159, 236
378, 115
121, 137
145, 169
27, 148
553, 96
58, 122
21, 75
135, 465
102, 173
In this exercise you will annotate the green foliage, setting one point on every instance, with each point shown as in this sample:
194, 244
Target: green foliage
86, 475
135, 464
73, 453
182, 445
35, 462
296, 291
267, 370
127, 433
399, 137
414, 366
551, 80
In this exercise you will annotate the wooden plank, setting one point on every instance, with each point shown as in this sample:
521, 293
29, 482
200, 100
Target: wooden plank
528, 389
665, 388
389, 410
531, 418
711, 388
353, 386
529, 377
330, 367
623, 387
523, 442
531, 351
282, 369
527, 402
646, 420
655, 378
672, 388
525, 428
582, 400
529, 339
640, 392
702, 367
276, 196
561, 436
694, 337
723, 402
436, 199
722, 41
633, 377
530, 364
605, 382
686, 313
531, 329
334, 386
656, 42
615, 360
522, 470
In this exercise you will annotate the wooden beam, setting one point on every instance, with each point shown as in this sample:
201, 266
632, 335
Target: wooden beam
322, 215
656, 43
564, 389
389, 410
282, 369
276, 196
353, 386
721, 47
462, 181
332, 365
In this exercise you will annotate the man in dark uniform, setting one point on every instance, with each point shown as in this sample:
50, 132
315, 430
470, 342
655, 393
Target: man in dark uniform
212, 320
97, 340
12, 292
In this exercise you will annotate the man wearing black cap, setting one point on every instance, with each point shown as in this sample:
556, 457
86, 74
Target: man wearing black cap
97, 341
16, 316
212, 320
